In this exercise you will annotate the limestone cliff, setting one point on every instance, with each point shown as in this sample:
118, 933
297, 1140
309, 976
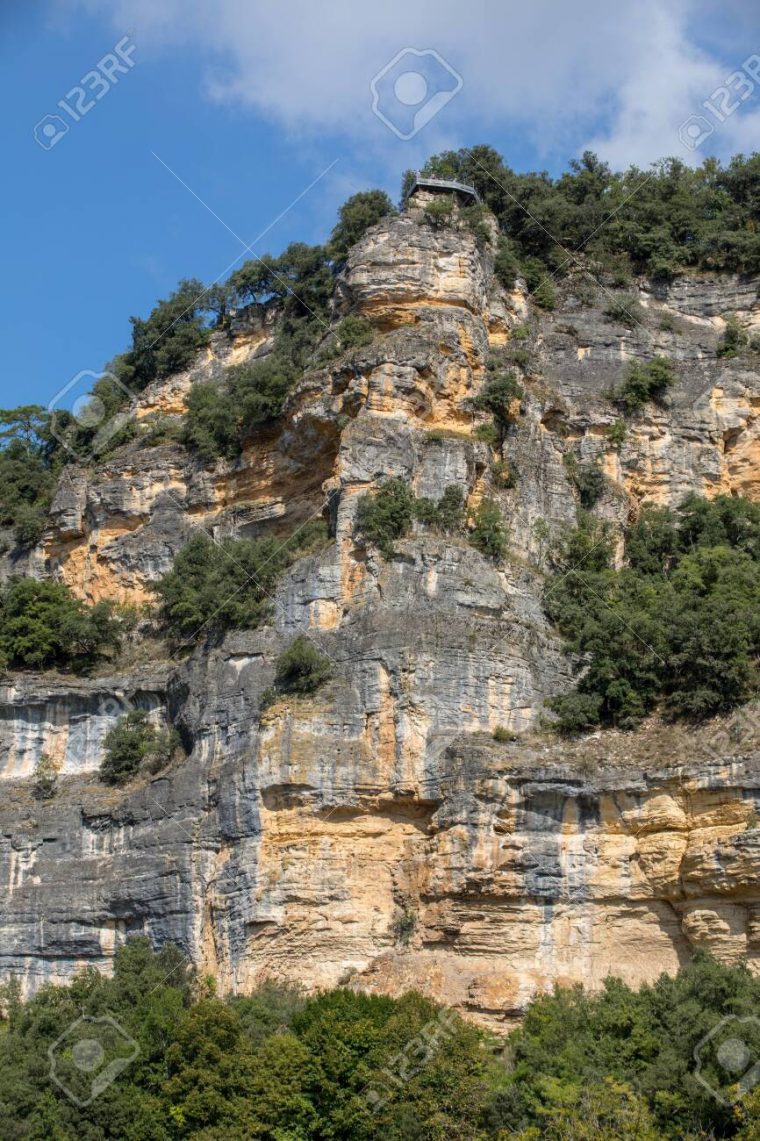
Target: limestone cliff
376, 832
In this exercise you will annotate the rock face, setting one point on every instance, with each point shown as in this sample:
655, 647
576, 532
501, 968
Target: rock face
376, 832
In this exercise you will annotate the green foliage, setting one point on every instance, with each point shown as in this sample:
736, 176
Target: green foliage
474, 217
45, 778
133, 741
42, 625
677, 626
576, 712
616, 1063
734, 339
168, 340
488, 532
301, 668
386, 515
502, 734
571, 1041
29, 464
219, 419
445, 515
439, 212
616, 433
520, 357
625, 311
273, 1064
217, 586
588, 480
539, 282
644, 382
501, 396
404, 925
658, 222
350, 333
506, 265
355, 217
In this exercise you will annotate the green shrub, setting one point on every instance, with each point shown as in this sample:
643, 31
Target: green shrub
576, 712
42, 625
167, 341
45, 778
355, 217
501, 396
219, 419
386, 515
445, 515
301, 668
644, 382
439, 212
625, 311
616, 433
30, 460
502, 735
133, 741
404, 926
521, 358
488, 434
506, 265
474, 217
734, 339
214, 587
678, 626
539, 281
587, 478
350, 333
488, 533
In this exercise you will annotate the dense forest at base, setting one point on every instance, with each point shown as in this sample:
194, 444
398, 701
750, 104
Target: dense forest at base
152, 1054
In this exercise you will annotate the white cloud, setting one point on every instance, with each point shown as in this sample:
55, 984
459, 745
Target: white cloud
620, 78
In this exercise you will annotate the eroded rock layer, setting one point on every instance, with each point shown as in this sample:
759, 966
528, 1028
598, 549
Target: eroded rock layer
375, 831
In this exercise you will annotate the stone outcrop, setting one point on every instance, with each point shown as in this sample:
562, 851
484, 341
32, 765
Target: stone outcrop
375, 831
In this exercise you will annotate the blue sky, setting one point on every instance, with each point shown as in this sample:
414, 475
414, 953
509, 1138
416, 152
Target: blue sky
264, 110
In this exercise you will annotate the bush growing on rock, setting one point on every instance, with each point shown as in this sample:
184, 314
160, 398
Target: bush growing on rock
386, 515
301, 669
355, 217
218, 586
644, 382
220, 417
350, 333
488, 532
30, 460
678, 626
42, 626
132, 742
501, 396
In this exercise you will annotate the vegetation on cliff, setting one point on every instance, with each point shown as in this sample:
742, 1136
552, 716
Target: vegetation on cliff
659, 222
43, 626
678, 626
133, 742
30, 460
386, 515
227, 584
353, 1067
